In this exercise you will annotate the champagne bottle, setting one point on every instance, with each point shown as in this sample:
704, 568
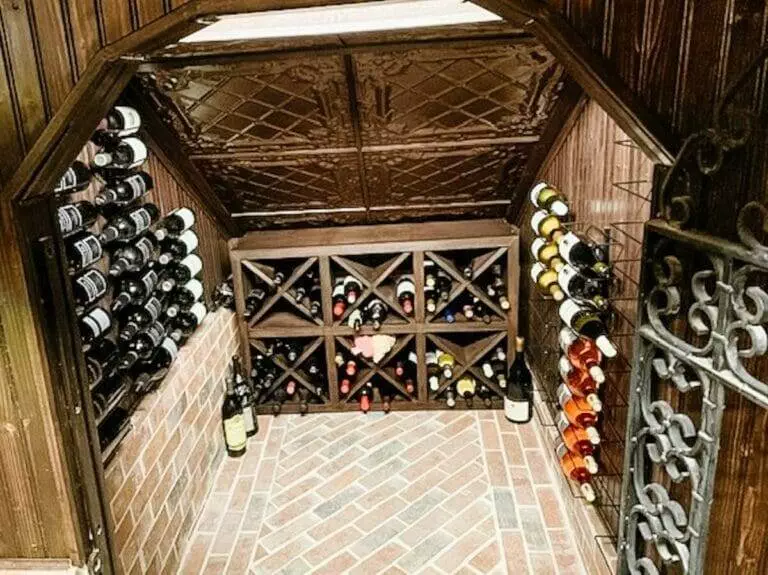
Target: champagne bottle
176, 222
376, 312
547, 197
181, 273
120, 121
132, 223
75, 179
433, 370
233, 421
184, 297
76, 217
582, 353
82, 250
352, 289
587, 323
133, 257
184, 324
126, 190
134, 289
177, 248
547, 253
582, 255
339, 299
156, 367
94, 325
466, 387
579, 383
518, 401
547, 225
406, 292
546, 280
575, 468
89, 287
125, 154
578, 286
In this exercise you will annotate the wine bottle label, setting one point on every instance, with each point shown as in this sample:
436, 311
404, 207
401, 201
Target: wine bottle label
145, 248
186, 215
536, 191
195, 288
170, 346
137, 185
67, 181
338, 290
234, 432
190, 241
430, 357
93, 283
70, 219
89, 249
139, 152
98, 321
198, 310
193, 263
131, 120
141, 219
515, 410
149, 280
565, 276
155, 333
154, 307
412, 357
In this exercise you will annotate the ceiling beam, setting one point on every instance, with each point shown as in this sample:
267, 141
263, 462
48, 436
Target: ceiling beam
569, 103
594, 75
171, 153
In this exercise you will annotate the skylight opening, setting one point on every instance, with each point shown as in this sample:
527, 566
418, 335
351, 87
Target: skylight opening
342, 19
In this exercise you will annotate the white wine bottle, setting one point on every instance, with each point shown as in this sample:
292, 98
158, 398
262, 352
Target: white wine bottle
518, 400
547, 197
546, 280
587, 323
582, 255
547, 253
547, 225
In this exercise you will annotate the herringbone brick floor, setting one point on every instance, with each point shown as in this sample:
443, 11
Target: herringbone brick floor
422, 492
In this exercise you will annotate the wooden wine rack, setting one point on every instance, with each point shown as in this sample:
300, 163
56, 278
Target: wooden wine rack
396, 249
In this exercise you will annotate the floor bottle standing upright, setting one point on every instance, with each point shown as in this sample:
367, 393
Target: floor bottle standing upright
233, 420
518, 401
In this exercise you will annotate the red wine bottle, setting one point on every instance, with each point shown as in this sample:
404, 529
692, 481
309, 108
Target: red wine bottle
186, 322
120, 121
128, 225
126, 190
143, 345
156, 367
184, 297
123, 155
181, 273
82, 250
339, 299
352, 289
406, 293
75, 179
176, 222
76, 217
135, 289
139, 317
89, 287
95, 324
177, 248
133, 257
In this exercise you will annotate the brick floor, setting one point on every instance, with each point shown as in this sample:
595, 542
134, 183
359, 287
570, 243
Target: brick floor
423, 492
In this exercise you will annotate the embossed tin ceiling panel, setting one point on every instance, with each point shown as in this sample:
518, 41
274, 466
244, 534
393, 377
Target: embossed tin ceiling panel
379, 134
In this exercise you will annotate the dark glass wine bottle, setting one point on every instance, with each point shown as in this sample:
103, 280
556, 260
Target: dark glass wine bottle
582, 287
444, 285
120, 121
82, 250
181, 273
125, 154
376, 312
518, 401
254, 300
75, 179
102, 359
177, 248
89, 287
143, 344
76, 217
149, 373
135, 289
176, 222
133, 257
184, 297
130, 224
233, 421
184, 324
95, 324
582, 255
243, 391
406, 293
315, 300
139, 317
123, 191
352, 289
586, 322
339, 299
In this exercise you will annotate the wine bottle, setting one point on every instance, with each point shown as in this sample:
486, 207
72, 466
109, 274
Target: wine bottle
406, 292
350, 368
575, 468
466, 387
481, 310
344, 385
587, 323
582, 353
339, 299
156, 367
75, 179
235, 437
253, 301
549, 198
134, 289
314, 369
133, 257
355, 320
518, 401
174, 249
352, 289
579, 440
128, 225
315, 300
108, 392
366, 393
184, 297
376, 312
278, 399
76, 217
576, 409
430, 299
450, 397
579, 383
290, 388
499, 368
82, 250
433, 370
184, 324
89, 287
139, 317
582, 255
578, 286
94, 325
446, 362
304, 395
546, 280
468, 270
175, 223
448, 315
102, 359
547, 225
484, 393
126, 190
120, 121
181, 273
246, 399
547, 253
443, 285
430, 279
387, 397
498, 287
411, 370
125, 154
468, 310
291, 350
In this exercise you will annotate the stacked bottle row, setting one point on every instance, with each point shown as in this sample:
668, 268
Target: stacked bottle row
377, 290
141, 302
573, 272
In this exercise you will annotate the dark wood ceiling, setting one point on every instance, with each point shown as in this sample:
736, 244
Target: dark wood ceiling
360, 132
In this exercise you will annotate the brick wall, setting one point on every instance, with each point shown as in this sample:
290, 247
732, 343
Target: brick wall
158, 481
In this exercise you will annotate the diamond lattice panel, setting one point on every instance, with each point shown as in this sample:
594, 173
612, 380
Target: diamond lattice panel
266, 105
464, 93
291, 183
435, 176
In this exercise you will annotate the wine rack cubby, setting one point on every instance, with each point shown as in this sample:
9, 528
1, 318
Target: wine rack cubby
460, 258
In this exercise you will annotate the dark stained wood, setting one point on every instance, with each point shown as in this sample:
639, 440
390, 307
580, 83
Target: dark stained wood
83, 24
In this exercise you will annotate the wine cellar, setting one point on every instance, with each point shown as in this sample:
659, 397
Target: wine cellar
383, 286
